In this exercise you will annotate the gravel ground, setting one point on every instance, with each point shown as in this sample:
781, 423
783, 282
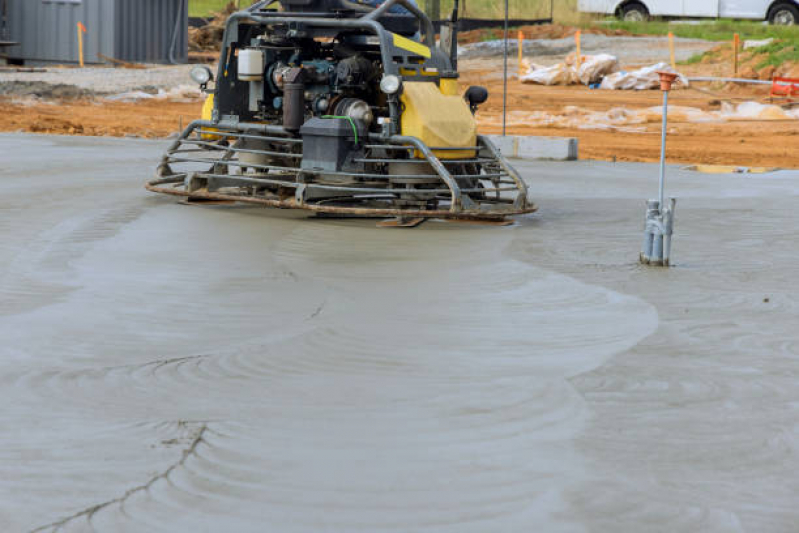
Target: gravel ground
106, 80
629, 50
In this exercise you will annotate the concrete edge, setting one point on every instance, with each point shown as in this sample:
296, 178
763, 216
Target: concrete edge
537, 148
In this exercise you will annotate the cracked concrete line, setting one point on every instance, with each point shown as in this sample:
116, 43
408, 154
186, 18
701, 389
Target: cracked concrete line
91, 511
318, 311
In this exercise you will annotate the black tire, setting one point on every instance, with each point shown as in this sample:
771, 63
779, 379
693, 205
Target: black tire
784, 14
634, 13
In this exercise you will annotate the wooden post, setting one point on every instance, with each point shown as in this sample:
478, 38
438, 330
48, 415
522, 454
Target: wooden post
521, 53
737, 44
671, 51
81, 31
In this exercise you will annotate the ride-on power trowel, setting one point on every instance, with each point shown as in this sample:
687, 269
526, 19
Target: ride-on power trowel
342, 109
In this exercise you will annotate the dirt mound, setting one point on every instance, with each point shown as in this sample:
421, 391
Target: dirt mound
752, 64
145, 118
539, 31
209, 37
40, 89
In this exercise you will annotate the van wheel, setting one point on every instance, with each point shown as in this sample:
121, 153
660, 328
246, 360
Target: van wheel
635, 13
784, 15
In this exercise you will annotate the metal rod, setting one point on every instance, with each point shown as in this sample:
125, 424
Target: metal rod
505, 76
663, 147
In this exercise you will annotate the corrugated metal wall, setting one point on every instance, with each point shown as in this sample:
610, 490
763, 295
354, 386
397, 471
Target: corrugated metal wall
130, 30
144, 29
47, 31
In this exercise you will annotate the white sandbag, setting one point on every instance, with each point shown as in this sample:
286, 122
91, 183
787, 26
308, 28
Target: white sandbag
592, 69
748, 45
560, 74
641, 79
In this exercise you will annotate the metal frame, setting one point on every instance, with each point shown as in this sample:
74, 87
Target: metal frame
505, 192
204, 163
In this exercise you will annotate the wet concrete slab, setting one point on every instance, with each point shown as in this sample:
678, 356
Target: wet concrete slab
175, 368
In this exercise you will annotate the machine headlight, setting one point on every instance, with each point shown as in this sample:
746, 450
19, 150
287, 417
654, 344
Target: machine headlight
390, 84
201, 74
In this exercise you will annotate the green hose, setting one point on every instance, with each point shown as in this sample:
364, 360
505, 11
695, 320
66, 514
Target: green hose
352, 123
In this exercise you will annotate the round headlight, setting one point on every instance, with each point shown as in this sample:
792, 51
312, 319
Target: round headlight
201, 74
390, 84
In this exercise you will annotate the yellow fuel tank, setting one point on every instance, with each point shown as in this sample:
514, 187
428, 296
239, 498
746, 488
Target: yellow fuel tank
437, 119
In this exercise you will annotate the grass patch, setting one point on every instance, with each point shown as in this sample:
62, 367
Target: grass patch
205, 8
779, 52
717, 30
564, 10
698, 58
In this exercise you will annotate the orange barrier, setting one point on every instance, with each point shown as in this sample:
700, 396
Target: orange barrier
784, 88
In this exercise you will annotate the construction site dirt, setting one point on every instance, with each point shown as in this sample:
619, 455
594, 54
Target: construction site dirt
574, 111
746, 142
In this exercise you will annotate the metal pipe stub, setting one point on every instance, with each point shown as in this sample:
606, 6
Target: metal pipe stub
658, 230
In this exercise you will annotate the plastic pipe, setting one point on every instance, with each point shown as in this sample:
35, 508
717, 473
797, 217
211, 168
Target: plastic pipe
733, 80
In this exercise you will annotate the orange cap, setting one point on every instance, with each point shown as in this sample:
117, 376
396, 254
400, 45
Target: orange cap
666, 79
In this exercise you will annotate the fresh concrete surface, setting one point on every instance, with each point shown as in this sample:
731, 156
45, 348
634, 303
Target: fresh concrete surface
173, 368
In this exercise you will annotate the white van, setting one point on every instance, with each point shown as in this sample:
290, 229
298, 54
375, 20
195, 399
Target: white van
775, 11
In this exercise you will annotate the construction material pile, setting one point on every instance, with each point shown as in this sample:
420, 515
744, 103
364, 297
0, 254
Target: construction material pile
208, 38
601, 71
590, 70
642, 79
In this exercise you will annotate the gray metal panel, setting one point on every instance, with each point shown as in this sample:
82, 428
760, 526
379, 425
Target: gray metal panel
130, 30
47, 30
145, 28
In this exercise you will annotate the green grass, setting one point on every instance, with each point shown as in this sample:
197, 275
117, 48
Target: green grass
519, 9
204, 8
778, 52
721, 30
565, 10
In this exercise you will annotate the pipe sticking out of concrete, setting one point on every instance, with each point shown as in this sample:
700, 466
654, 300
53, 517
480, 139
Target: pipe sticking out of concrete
656, 248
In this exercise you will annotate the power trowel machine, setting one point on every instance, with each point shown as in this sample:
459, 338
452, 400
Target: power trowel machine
342, 109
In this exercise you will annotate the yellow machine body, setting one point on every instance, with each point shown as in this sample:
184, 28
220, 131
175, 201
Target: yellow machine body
207, 114
438, 119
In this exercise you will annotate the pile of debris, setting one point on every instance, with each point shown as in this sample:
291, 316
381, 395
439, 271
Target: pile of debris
208, 38
601, 71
